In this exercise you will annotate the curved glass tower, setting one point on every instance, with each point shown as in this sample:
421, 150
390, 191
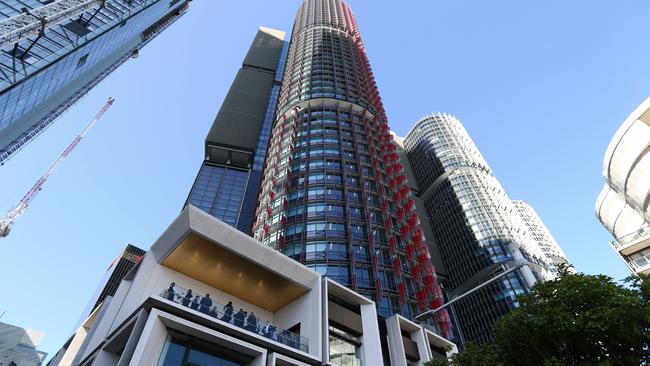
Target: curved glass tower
476, 227
334, 195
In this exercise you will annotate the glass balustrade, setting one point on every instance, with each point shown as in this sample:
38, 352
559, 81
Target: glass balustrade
237, 317
627, 239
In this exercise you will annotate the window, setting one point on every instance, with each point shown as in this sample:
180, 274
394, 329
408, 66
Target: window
321, 228
293, 251
77, 28
344, 348
320, 209
82, 60
325, 250
339, 274
363, 277
387, 280
182, 350
320, 193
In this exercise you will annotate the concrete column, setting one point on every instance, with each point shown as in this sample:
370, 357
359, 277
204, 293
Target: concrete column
423, 345
371, 348
395, 344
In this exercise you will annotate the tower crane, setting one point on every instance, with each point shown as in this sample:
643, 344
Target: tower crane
17, 211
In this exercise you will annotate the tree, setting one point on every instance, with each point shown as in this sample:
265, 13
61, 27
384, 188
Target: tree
472, 356
576, 319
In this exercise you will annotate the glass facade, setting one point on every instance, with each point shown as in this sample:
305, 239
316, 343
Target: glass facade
475, 225
42, 76
182, 350
333, 194
219, 191
541, 235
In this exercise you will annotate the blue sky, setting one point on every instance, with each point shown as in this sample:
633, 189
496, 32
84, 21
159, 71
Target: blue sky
540, 86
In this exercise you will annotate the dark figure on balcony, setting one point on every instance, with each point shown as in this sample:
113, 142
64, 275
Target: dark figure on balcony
269, 331
171, 291
239, 318
251, 323
188, 298
214, 312
227, 312
206, 303
195, 303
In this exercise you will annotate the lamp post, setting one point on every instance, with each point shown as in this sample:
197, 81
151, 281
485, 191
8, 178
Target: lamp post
515, 266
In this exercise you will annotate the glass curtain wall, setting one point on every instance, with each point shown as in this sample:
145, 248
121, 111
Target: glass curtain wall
334, 195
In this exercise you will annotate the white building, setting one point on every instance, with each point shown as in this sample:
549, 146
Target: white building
540, 233
294, 316
623, 206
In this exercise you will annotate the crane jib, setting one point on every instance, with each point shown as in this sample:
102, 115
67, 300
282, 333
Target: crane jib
8, 220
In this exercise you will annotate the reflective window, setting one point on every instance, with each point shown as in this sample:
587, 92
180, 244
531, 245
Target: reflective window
345, 349
182, 350
219, 191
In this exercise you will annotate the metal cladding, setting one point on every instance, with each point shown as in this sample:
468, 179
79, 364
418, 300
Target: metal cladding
334, 195
228, 181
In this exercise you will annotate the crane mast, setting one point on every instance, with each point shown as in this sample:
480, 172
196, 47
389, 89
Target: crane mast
14, 214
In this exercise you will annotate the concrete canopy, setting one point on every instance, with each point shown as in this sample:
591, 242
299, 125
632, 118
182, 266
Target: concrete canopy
208, 250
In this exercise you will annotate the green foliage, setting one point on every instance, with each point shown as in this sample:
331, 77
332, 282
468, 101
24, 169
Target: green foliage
576, 319
472, 356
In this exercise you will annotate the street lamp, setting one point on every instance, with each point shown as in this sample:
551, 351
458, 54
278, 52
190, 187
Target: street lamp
515, 266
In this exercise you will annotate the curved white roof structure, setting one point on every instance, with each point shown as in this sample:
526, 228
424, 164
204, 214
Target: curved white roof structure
623, 206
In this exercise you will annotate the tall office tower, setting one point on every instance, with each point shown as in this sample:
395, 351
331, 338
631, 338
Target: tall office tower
229, 179
18, 346
476, 228
623, 206
540, 233
52, 55
235, 148
333, 194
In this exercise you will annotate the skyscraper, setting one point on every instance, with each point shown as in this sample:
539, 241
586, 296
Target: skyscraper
18, 346
540, 234
623, 206
475, 226
334, 195
53, 54
229, 178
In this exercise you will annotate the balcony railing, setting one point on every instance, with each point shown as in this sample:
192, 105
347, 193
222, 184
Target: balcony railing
641, 264
629, 238
230, 315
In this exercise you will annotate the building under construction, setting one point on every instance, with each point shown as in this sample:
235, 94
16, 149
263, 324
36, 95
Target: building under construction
53, 52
